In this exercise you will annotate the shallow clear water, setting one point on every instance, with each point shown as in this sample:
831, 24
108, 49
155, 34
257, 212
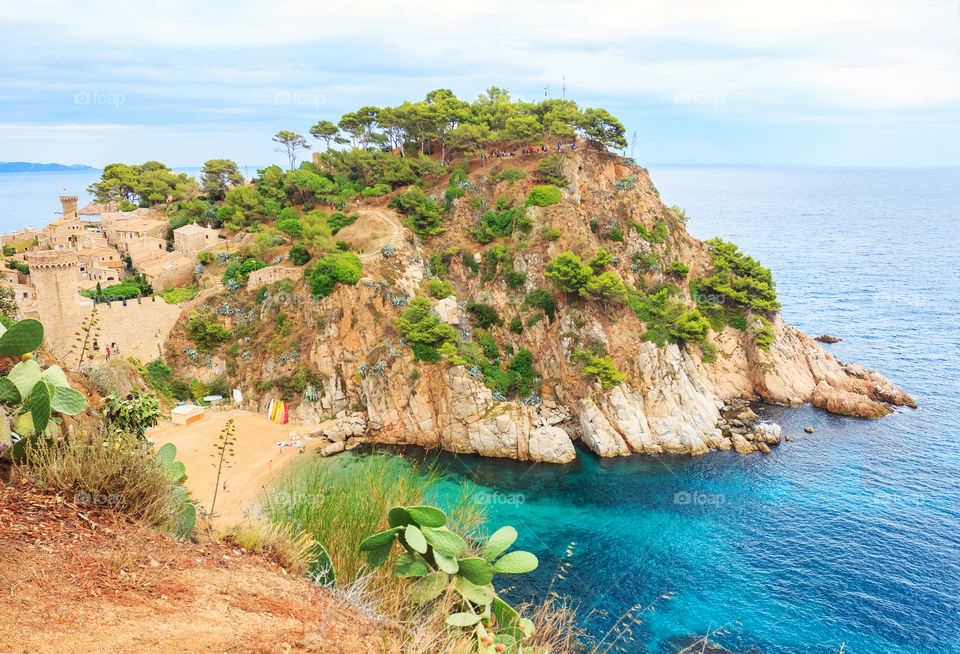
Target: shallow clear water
848, 536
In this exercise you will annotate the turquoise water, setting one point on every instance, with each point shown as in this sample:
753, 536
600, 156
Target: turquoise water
846, 537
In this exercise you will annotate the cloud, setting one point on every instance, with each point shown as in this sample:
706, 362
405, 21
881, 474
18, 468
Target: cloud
742, 61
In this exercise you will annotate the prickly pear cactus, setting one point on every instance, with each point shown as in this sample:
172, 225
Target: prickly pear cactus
437, 559
22, 337
185, 520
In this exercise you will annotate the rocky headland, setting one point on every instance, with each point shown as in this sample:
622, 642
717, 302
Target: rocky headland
673, 394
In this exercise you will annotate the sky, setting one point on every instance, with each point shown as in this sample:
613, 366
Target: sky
762, 83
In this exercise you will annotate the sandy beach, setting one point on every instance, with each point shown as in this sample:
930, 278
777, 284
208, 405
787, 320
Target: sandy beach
256, 457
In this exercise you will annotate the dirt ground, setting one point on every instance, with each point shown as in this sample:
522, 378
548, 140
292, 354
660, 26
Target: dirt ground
74, 579
256, 457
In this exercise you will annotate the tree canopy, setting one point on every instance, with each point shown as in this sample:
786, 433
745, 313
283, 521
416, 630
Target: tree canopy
144, 185
455, 125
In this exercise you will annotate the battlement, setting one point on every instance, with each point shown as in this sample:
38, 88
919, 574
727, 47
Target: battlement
51, 259
69, 204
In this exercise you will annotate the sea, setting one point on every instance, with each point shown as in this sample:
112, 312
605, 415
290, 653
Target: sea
844, 540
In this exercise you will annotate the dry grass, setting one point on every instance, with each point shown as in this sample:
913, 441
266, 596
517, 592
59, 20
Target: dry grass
105, 470
276, 541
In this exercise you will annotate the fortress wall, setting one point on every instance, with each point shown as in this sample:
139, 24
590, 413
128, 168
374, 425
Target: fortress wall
139, 329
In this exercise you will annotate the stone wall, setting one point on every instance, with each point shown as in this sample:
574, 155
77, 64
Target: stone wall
272, 274
139, 328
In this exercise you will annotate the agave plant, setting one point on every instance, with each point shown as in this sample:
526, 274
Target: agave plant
436, 558
34, 394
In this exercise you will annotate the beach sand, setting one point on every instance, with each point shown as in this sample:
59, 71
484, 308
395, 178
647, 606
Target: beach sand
256, 457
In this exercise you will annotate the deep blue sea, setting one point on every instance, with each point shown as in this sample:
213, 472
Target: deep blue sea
846, 538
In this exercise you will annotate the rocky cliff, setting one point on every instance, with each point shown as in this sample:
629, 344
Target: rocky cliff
354, 367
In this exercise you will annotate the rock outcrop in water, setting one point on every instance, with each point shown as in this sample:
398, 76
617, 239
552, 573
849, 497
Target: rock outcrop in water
673, 398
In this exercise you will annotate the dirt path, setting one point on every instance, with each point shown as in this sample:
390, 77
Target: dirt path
75, 579
374, 229
256, 457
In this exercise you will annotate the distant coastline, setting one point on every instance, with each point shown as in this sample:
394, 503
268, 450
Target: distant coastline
28, 167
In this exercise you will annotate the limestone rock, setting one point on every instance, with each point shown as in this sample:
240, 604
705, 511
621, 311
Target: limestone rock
741, 445
597, 432
345, 426
846, 402
551, 445
333, 448
768, 433
449, 312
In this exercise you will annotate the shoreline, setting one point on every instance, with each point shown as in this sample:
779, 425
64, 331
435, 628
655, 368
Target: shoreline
257, 458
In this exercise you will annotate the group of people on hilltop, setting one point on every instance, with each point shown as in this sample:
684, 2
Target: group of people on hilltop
530, 149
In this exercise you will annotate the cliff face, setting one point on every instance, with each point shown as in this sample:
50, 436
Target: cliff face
672, 399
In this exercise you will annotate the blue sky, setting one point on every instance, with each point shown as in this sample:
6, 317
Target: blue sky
834, 83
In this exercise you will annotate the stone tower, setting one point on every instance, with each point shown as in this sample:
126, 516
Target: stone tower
69, 204
55, 275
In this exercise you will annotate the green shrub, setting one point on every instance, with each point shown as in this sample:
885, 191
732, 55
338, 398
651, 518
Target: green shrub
548, 171
678, 269
739, 278
423, 214
299, 254
470, 262
599, 368
515, 279
424, 352
568, 272
599, 261
180, 390
544, 196
205, 257
605, 287
338, 221
551, 234
290, 226
487, 345
534, 319
516, 325
375, 191
542, 300
763, 336
344, 267
439, 289
206, 332
418, 324
510, 175
483, 315
614, 234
